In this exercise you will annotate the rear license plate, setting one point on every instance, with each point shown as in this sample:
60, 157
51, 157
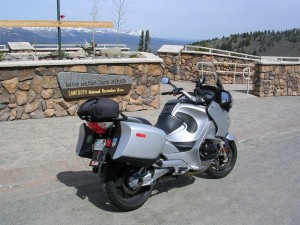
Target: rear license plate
99, 144
95, 159
98, 151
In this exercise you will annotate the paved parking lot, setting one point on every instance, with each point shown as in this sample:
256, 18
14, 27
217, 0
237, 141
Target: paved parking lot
42, 181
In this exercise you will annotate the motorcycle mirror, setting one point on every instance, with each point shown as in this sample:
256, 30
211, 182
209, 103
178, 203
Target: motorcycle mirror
165, 80
219, 84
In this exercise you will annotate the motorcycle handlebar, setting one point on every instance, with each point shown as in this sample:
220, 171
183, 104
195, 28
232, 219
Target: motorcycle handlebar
176, 91
167, 93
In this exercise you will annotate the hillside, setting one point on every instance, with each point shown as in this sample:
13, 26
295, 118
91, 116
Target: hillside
79, 36
261, 43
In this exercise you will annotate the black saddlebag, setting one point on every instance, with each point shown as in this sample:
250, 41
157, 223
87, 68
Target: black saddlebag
98, 109
86, 137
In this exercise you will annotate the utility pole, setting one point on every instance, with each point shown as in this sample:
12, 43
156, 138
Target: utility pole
59, 30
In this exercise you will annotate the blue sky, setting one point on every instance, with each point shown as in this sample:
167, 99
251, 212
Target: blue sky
176, 19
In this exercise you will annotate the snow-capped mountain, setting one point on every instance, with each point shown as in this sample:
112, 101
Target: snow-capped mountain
80, 36
84, 30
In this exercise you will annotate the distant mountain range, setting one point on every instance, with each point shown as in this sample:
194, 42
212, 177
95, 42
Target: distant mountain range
80, 36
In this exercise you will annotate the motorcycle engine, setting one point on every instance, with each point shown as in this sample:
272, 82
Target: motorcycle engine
208, 151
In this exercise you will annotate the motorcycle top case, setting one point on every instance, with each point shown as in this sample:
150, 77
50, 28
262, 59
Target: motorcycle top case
98, 109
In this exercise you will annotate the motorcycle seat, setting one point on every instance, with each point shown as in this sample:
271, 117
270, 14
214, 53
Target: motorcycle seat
138, 120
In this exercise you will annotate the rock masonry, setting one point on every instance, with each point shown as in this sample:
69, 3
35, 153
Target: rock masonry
273, 79
33, 92
183, 67
276, 80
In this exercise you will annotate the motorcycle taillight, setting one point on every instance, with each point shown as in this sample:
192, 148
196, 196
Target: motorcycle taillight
108, 143
97, 127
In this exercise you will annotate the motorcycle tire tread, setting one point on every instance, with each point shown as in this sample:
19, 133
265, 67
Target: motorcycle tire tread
112, 195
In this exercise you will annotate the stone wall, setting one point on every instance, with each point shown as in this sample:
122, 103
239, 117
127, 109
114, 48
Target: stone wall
33, 92
276, 79
182, 66
269, 78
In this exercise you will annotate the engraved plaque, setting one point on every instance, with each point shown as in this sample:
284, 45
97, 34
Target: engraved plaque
86, 85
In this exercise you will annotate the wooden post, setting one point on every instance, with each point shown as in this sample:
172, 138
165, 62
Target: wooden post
59, 31
54, 23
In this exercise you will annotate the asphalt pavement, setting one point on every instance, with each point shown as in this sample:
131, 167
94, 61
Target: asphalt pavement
42, 181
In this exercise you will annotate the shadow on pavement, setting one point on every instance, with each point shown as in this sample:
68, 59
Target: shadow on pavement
168, 185
204, 176
89, 186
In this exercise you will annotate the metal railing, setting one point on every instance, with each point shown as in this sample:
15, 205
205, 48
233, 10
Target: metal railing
235, 67
54, 47
3, 48
111, 46
72, 47
279, 59
246, 76
200, 49
246, 72
200, 68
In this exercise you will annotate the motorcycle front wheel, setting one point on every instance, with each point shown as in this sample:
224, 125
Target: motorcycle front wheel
118, 190
223, 165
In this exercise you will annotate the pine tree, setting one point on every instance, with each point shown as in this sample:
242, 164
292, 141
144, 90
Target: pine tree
229, 46
147, 41
223, 46
141, 44
247, 42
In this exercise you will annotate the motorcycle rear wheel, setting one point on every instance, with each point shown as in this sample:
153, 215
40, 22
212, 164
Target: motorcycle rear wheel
118, 191
220, 168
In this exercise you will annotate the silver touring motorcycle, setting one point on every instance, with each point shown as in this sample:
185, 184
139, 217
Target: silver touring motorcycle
131, 155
